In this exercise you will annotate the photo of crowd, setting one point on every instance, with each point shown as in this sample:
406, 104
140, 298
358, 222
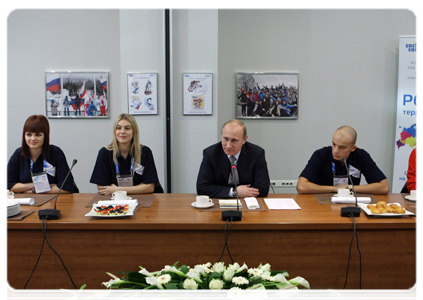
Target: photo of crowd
76, 95
267, 95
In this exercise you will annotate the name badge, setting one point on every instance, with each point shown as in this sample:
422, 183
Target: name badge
125, 180
41, 183
139, 169
49, 169
354, 172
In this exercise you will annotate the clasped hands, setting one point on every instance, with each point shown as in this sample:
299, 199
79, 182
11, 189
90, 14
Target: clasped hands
107, 189
244, 191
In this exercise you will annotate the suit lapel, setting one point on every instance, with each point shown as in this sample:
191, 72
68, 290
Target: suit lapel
225, 165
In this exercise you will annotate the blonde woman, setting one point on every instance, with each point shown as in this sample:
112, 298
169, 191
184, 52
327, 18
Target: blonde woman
125, 165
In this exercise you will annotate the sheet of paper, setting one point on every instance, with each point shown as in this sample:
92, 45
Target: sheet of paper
279, 203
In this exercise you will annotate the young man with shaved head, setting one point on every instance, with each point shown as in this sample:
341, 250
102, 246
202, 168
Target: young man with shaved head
326, 172
213, 177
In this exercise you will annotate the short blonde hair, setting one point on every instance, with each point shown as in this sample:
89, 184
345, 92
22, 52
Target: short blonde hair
135, 150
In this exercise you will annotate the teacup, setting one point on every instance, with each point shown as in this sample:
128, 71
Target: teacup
413, 194
203, 201
10, 194
343, 192
119, 195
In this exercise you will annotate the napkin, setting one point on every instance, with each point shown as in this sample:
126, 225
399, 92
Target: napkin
251, 203
350, 200
26, 201
229, 203
118, 202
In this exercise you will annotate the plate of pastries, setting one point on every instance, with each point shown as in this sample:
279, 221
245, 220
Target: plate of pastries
384, 209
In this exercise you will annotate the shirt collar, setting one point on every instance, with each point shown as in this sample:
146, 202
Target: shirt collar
236, 155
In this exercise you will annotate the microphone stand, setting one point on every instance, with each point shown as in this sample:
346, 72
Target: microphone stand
348, 210
54, 214
233, 215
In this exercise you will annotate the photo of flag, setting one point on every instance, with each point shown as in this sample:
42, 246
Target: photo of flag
104, 83
54, 84
83, 91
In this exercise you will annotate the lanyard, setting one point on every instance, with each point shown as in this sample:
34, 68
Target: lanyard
334, 171
132, 167
31, 165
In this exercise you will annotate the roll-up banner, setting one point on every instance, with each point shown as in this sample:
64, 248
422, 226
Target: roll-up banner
405, 134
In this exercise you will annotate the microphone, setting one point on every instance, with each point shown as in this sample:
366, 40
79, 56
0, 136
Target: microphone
233, 215
348, 210
54, 214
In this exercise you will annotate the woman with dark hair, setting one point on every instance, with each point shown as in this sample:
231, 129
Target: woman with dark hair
125, 165
36, 161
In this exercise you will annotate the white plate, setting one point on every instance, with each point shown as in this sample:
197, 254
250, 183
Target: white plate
12, 202
194, 204
408, 197
127, 198
369, 212
129, 213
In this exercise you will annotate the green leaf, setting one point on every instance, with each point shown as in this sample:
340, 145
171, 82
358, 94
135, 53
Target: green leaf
215, 275
136, 277
83, 287
184, 269
175, 264
170, 286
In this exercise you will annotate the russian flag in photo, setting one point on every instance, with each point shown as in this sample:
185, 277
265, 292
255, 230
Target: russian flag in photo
104, 83
54, 84
83, 91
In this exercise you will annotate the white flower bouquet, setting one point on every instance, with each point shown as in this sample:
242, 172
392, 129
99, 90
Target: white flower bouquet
206, 276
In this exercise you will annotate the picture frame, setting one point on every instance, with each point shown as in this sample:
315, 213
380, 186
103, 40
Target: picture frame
197, 94
142, 93
267, 96
71, 95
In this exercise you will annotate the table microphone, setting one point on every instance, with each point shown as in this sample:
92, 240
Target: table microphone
348, 210
54, 214
234, 215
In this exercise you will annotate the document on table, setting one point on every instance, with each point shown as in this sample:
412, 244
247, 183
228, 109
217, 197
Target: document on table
278, 203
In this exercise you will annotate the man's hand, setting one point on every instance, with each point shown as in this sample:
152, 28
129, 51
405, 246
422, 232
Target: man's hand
246, 191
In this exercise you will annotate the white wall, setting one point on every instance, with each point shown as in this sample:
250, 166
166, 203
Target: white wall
194, 46
142, 50
347, 61
62, 40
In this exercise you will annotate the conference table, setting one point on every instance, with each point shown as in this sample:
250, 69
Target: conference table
312, 242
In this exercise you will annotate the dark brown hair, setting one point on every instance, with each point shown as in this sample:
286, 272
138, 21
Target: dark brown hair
37, 124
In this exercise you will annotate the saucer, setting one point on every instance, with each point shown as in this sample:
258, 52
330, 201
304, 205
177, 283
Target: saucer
194, 204
408, 197
336, 195
127, 198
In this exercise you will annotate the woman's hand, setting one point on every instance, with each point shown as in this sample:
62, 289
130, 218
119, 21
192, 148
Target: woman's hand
107, 190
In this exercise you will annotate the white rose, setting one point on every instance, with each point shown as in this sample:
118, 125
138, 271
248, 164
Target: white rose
190, 284
265, 268
216, 284
219, 267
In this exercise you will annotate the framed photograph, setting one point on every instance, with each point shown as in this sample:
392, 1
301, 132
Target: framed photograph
198, 94
267, 96
142, 94
77, 95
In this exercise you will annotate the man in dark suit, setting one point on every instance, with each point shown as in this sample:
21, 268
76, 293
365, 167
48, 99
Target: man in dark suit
250, 161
